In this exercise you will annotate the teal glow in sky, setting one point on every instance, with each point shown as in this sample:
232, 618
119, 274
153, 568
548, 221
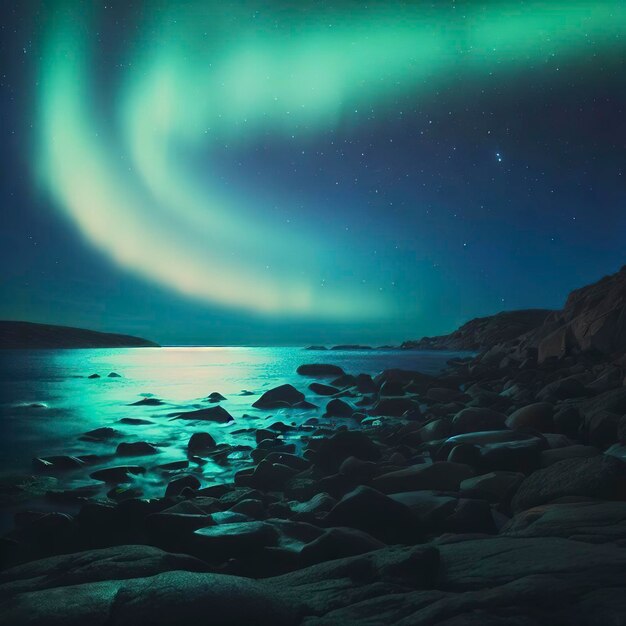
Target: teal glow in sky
133, 164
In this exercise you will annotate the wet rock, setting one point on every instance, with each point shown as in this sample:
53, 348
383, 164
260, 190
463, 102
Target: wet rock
391, 389
344, 381
279, 397
323, 390
135, 421
148, 402
430, 507
538, 416
118, 474
113, 375
119, 494
215, 397
101, 434
320, 370
441, 476
471, 516
329, 453
364, 383
216, 414
94, 376
200, 442
135, 448
176, 486
599, 476
338, 408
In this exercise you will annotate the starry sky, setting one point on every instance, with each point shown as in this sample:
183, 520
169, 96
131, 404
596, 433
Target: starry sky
295, 172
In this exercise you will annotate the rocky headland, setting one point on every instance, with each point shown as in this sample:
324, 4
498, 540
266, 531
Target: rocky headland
492, 494
29, 335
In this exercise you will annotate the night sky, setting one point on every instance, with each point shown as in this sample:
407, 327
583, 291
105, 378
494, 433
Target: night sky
253, 173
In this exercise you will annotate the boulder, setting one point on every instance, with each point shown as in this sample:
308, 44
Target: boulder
200, 442
119, 474
320, 370
323, 390
337, 543
135, 448
375, 513
538, 416
338, 408
442, 476
599, 476
279, 397
478, 419
216, 414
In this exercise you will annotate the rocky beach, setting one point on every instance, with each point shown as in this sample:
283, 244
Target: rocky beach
491, 493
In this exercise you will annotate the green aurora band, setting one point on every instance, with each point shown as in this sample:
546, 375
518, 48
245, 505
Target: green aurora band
207, 74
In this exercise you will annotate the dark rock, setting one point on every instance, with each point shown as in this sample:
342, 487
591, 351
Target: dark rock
148, 402
442, 476
176, 486
113, 375
215, 397
338, 408
200, 442
119, 474
136, 448
94, 376
594, 521
212, 414
538, 416
279, 397
101, 434
173, 466
320, 370
230, 540
397, 407
135, 421
495, 487
54, 463
599, 476
337, 543
329, 453
323, 390
375, 513
562, 389
549, 457
478, 419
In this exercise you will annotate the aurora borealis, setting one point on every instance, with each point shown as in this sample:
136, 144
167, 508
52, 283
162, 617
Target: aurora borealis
216, 151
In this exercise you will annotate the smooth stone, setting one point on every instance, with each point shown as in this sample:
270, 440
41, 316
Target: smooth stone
338, 408
176, 486
474, 419
494, 486
279, 397
442, 476
538, 416
101, 434
148, 402
549, 457
200, 442
215, 397
135, 448
338, 543
320, 370
323, 390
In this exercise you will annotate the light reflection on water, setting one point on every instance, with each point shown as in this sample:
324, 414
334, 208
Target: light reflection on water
181, 377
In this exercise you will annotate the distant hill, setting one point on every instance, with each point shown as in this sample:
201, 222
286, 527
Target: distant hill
22, 335
483, 332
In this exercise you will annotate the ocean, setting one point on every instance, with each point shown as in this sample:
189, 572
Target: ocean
47, 401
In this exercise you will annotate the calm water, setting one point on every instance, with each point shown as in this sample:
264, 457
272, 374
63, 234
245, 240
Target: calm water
47, 400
